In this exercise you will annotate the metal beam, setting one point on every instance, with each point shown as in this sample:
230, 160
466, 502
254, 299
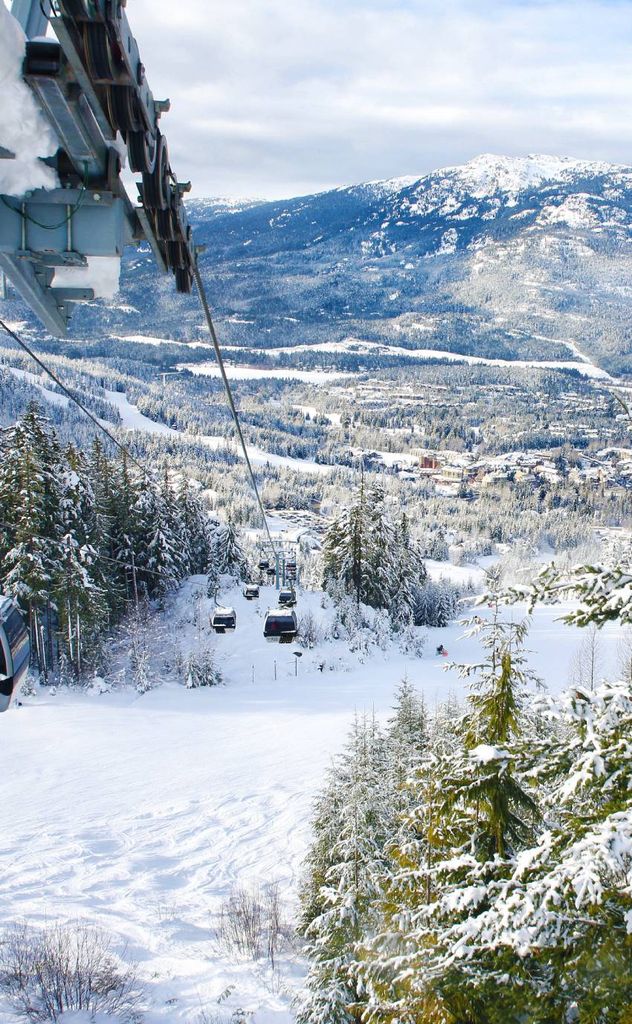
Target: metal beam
23, 278
32, 16
80, 74
151, 238
62, 295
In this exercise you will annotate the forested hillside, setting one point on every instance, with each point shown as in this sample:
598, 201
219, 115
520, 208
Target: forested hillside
86, 536
524, 258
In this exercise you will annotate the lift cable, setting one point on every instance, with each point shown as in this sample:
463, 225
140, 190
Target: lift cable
229, 396
73, 398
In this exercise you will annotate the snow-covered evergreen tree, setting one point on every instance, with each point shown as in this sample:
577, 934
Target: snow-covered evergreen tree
80, 593
31, 501
563, 912
367, 556
471, 818
353, 818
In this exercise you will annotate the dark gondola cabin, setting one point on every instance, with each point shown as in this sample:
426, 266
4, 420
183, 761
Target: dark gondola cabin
280, 625
15, 649
251, 591
263, 565
224, 620
287, 597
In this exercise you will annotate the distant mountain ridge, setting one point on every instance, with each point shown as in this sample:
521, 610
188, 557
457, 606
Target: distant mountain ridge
503, 257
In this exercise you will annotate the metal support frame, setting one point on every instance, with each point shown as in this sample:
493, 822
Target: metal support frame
31, 16
91, 117
22, 275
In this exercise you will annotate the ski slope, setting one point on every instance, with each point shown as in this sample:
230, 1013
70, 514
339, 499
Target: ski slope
141, 812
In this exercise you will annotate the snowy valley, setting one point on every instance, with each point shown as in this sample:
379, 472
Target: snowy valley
432, 377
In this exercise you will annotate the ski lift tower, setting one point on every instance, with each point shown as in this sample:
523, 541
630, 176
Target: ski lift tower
63, 244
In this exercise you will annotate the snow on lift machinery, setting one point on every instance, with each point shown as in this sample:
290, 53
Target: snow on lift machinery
251, 591
280, 625
15, 649
224, 620
90, 85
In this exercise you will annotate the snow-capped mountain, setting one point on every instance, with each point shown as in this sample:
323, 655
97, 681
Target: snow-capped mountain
527, 257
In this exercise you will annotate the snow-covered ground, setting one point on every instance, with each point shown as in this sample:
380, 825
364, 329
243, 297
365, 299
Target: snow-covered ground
354, 345
141, 812
54, 397
133, 419
259, 457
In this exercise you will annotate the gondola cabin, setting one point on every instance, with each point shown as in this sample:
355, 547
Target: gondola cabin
280, 626
263, 565
251, 591
224, 620
15, 650
287, 597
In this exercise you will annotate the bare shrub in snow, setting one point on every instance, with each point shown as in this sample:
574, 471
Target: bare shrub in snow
237, 1016
251, 924
65, 967
586, 668
310, 631
240, 926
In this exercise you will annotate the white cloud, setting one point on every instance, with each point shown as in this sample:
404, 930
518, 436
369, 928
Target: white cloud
276, 98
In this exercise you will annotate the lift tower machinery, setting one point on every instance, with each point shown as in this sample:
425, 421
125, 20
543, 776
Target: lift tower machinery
89, 81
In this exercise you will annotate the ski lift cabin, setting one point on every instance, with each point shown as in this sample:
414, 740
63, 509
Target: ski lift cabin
251, 591
15, 649
224, 620
287, 597
280, 625
263, 565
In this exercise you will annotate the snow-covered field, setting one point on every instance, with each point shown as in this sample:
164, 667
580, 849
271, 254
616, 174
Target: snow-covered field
142, 812
583, 365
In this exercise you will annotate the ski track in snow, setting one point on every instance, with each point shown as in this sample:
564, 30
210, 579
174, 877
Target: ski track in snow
54, 397
352, 345
133, 419
141, 813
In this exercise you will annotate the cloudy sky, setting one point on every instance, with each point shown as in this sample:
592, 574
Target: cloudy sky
284, 97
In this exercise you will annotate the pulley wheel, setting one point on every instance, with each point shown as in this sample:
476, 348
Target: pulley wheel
122, 108
176, 255
74, 9
183, 280
141, 147
165, 225
97, 50
156, 191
